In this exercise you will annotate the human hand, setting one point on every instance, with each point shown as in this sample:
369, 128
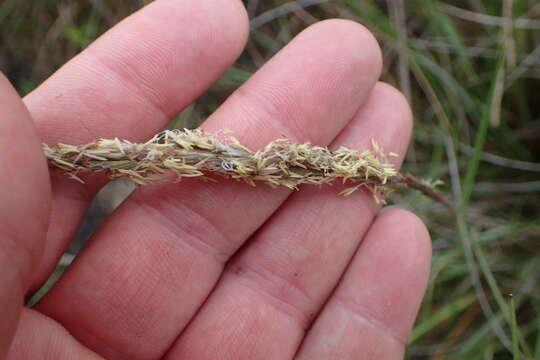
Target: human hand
201, 270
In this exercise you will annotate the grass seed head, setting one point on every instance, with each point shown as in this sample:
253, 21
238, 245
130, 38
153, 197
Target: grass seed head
195, 153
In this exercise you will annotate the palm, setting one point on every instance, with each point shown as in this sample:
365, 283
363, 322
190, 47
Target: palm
317, 276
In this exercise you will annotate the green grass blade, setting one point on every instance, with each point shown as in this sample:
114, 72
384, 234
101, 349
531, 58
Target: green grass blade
508, 314
515, 331
449, 32
481, 135
440, 316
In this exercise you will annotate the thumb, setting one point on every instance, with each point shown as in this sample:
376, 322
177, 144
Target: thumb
24, 207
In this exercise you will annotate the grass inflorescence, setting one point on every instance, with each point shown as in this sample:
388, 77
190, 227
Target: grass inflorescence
196, 153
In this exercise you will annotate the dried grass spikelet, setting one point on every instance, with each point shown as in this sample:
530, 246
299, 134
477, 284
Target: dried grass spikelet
195, 153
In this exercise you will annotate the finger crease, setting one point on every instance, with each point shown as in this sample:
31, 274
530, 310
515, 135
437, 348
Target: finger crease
135, 83
364, 315
285, 295
204, 237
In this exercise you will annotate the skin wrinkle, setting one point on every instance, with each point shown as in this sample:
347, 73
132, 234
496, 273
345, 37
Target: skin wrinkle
231, 344
130, 81
22, 254
78, 192
198, 241
365, 315
267, 102
265, 281
275, 99
89, 102
117, 314
134, 81
18, 278
381, 95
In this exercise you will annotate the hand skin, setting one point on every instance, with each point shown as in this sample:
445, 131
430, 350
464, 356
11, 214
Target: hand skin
197, 270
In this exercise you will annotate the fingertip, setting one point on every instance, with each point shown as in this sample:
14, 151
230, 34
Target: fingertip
226, 20
351, 42
385, 117
392, 268
227, 27
395, 100
416, 235
240, 12
389, 118
3, 78
9, 97
378, 298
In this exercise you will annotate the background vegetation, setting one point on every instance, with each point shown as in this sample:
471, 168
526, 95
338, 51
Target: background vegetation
471, 70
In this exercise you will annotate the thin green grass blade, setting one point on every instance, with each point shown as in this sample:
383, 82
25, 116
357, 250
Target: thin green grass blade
468, 184
449, 32
515, 331
440, 316
481, 135
508, 314
537, 344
